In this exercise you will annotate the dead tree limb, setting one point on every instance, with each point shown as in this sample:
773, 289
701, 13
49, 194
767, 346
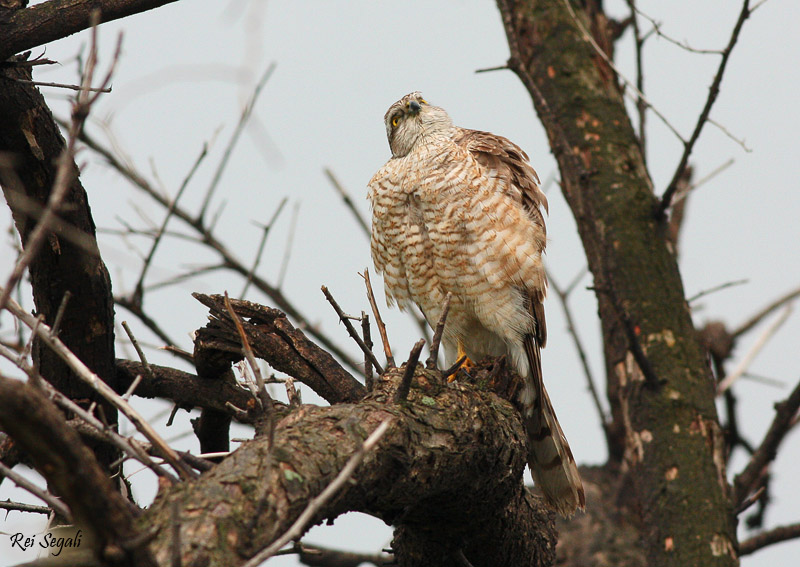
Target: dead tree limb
432, 468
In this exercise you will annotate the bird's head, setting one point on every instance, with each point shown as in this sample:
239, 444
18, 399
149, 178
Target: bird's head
410, 120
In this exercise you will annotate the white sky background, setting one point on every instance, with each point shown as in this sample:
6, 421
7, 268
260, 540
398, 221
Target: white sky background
187, 69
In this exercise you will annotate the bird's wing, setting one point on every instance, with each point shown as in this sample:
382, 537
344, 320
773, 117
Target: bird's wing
504, 159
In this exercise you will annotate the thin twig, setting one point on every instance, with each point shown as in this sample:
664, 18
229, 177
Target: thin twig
289, 242
408, 375
54, 503
680, 194
138, 289
785, 412
22, 507
387, 349
573, 331
264, 232
641, 105
744, 364
62, 307
262, 396
292, 393
750, 500
437, 335
726, 285
766, 311
141, 355
360, 220
683, 45
729, 134
97, 384
370, 356
64, 86
713, 92
368, 366
316, 503
126, 445
237, 132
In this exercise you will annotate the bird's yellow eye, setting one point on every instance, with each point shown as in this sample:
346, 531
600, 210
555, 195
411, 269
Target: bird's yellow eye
395, 120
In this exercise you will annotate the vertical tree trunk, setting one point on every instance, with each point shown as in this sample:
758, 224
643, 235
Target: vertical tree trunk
31, 143
665, 422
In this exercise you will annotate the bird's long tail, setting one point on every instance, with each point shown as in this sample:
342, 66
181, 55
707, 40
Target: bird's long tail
549, 456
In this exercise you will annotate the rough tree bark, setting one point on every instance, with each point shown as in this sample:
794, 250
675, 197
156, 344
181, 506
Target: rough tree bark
659, 383
69, 261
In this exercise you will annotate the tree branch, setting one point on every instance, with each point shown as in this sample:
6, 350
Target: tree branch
420, 473
745, 481
70, 468
57, 19
274, 339
713, 92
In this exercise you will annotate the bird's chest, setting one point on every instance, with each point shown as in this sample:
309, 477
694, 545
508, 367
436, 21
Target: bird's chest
421, 195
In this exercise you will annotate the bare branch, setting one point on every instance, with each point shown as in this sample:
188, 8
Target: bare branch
264, 232
408, 375
237, 132
387, 349
229, 261
748, 358
370, 356
573, 331
641, 104
64, 86
138, 291
57, 19
437, 335
365, 330
22, 507
766, 311
769, 537
360, 220
716, 288
317, 502
261, 394
54, 503
713, 92
785, 412
94, 381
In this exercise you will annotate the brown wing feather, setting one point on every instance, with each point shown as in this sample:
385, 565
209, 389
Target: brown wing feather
509, 161
550, 458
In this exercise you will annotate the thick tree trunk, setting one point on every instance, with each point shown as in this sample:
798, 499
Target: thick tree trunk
69, 260
659, 382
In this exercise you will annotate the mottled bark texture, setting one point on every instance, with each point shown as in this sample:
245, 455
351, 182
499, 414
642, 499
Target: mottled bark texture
665, 423
69, 261
447, 474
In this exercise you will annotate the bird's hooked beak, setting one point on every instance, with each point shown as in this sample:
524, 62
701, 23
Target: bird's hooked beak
414, 107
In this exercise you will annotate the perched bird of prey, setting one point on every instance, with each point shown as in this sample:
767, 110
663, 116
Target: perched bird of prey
459, 211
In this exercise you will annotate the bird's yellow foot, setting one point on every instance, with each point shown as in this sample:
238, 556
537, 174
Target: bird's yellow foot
466, 365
